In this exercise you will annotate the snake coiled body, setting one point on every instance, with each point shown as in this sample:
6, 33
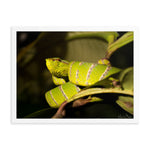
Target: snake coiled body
78, 73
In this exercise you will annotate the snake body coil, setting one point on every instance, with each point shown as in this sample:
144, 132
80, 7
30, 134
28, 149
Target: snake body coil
78, 73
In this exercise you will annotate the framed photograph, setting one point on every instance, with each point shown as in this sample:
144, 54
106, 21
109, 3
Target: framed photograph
74, 75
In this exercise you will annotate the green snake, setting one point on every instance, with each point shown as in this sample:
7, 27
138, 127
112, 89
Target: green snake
78, 74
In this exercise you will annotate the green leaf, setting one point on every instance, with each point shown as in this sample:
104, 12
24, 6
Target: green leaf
126, 78
126, 103
92, 91
44, 113
125, 39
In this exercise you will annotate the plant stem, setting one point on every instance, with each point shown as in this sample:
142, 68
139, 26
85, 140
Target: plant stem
107, 36
92, 91
125, 39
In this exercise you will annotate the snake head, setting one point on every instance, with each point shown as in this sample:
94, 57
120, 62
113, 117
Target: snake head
57, 67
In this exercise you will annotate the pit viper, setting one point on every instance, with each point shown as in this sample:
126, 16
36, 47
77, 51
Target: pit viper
78, 74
